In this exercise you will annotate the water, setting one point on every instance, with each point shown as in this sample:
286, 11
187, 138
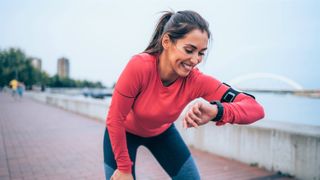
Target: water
290, 108
285, 108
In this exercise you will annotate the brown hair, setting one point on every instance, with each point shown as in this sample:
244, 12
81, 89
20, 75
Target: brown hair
176, 25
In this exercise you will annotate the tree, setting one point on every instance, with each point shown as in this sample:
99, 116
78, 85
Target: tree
14, 64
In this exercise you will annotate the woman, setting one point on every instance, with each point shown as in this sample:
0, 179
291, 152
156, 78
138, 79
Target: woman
154, 88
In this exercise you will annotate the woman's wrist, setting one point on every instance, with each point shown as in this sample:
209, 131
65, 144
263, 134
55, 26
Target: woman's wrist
125, 171
214, 111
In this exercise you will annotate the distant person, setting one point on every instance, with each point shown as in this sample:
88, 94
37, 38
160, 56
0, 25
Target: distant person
20, 89
14, 86
43, 88
155, 87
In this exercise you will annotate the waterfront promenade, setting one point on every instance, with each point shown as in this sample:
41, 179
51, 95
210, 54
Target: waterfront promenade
41, 142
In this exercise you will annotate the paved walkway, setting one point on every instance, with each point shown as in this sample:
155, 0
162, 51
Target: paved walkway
40, 142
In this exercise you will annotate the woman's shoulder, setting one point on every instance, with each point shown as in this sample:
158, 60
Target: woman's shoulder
144, 58
142, 63
195, 73
197, 76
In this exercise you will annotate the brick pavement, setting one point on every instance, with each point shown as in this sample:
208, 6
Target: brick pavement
40, 142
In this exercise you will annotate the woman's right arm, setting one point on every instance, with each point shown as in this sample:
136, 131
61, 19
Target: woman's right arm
119, 109
127, 88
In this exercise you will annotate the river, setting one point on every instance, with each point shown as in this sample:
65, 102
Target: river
290, 108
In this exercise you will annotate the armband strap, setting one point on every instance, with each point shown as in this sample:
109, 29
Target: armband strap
249, 95
231, 94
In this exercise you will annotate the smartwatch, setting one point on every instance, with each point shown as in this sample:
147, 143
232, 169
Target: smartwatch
220, 111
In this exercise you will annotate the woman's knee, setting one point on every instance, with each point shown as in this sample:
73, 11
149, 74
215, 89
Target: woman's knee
187, 171
108, 171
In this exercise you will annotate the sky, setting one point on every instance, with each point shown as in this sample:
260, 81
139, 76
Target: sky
270, 41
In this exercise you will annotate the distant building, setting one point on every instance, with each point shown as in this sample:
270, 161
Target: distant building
63, 67
36, 63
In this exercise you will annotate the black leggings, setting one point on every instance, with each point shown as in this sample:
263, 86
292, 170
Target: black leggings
168, 148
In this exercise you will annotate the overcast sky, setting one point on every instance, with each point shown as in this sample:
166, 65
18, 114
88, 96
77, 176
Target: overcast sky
277, 37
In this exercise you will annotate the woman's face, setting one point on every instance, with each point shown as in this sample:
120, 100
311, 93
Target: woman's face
186, 53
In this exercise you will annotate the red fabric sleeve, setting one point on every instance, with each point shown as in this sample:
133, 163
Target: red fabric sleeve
126, 89
204, 86
243, 110
131, 78
119, 108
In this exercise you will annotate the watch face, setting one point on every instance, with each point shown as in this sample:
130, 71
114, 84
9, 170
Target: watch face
229, 97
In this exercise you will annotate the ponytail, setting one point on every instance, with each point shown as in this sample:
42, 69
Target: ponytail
155, 43
177, 25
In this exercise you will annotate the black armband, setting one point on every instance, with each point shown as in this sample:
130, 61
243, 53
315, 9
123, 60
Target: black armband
231, 94
249, 95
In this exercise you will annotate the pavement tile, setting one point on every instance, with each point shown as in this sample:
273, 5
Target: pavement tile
38, 142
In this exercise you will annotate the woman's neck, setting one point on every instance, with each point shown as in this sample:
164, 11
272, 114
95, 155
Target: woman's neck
167, 74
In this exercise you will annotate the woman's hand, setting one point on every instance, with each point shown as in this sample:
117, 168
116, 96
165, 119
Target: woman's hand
199, 114
118, 175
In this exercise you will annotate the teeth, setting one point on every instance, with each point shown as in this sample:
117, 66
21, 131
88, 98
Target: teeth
188, 67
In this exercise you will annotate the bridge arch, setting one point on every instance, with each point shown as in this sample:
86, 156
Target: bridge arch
252, 76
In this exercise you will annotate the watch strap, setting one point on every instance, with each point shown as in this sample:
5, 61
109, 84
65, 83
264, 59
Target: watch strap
220, 111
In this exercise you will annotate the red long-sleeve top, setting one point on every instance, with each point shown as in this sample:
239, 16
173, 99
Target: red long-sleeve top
143, 106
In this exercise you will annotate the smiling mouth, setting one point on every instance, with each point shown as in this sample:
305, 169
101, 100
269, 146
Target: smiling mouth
187, 66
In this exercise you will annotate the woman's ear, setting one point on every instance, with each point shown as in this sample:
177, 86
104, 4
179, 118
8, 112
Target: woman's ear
165, 41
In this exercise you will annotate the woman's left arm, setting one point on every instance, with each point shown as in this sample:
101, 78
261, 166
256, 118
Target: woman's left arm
244, 109
230, 106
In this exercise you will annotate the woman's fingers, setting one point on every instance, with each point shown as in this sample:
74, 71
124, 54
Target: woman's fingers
190, 122
196, 109
194, 118
184, 123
